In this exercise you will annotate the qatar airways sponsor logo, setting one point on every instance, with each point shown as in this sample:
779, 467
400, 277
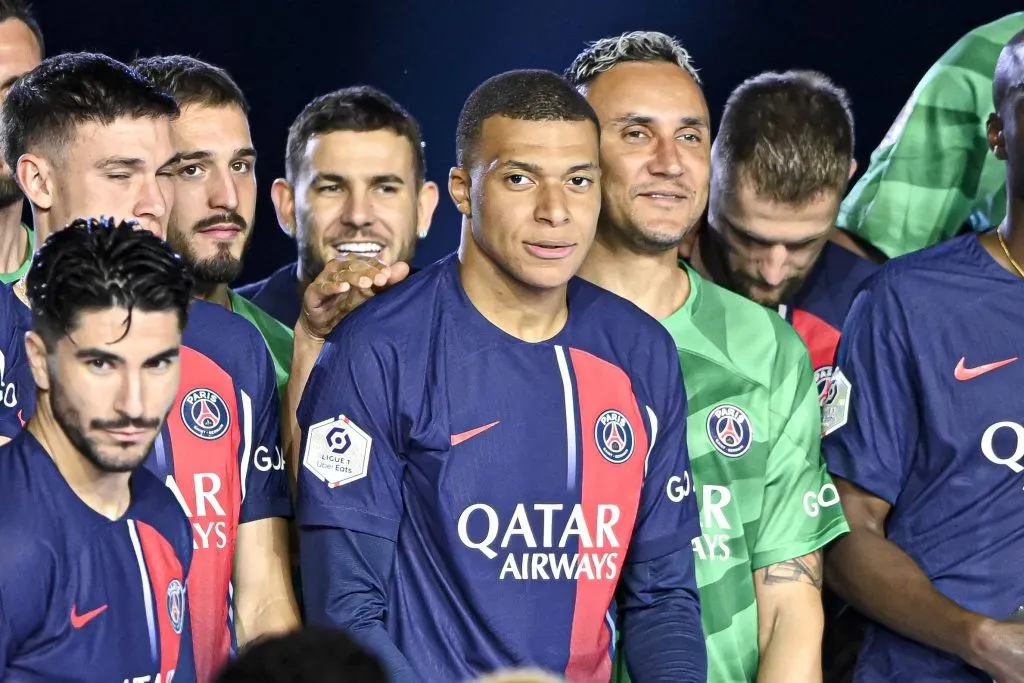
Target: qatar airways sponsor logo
209, 520
713, 543
1002, 444
562, 541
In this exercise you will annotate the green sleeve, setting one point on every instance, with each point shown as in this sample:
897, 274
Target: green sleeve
801, 506
933, 171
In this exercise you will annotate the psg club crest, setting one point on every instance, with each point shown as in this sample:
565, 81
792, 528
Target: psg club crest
205, 414
730, 430
614, 436
176, 605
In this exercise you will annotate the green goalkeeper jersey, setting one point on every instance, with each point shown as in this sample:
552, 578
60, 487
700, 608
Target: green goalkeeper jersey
754, 433
934, 171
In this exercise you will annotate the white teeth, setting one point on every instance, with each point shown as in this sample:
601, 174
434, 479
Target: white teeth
359, 248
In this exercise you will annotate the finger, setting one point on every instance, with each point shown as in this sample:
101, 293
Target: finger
399, 271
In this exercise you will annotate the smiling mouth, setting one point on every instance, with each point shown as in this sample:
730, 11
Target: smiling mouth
667, 196
361, 248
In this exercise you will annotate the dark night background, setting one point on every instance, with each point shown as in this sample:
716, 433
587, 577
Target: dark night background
430, 55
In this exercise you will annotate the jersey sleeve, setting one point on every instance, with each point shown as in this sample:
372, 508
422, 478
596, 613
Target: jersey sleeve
872, 414
352, 458
667, 519
801, 510
265, 489
915, 193
27, 583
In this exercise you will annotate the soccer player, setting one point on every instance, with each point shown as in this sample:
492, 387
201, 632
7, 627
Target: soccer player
89, 136
215, 188
21, 50
772, 224
355, 184
916, 193
96, 549
768, 507
928, 440
494, 449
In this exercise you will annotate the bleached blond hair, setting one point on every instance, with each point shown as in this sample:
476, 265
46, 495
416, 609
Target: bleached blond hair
635, 46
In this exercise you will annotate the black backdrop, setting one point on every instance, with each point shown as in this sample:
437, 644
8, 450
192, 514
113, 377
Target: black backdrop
430, 55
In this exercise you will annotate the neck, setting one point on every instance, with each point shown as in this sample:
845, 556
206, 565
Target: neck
653, 282
214, 293
107, 493
13, 240
527, 313
1012, 228
706, 257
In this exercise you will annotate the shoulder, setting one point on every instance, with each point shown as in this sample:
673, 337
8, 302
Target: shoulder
406, 309
28, 531
226, 338
596, 307
750, 335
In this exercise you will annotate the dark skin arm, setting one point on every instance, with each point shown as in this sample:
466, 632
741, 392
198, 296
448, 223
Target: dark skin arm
879, 579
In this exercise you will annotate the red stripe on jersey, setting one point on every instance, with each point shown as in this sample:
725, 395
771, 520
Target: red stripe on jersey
206, 472
601, 387
820, 337
164, 568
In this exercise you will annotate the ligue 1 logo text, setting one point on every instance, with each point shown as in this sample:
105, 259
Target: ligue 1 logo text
614, 436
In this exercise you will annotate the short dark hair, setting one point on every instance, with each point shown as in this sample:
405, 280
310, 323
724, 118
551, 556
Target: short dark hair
789, 134
1009, 73
524, 95
192, 81
45, 106
303, 656
96, 264
21, 11
358, 109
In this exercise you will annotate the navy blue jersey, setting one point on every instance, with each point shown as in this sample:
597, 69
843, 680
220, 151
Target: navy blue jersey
927, 416
818, 310
83, 597
278, 294
519, 480
218, 451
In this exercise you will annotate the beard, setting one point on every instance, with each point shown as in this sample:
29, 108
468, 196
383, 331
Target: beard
68, 419
10, 192
220, 269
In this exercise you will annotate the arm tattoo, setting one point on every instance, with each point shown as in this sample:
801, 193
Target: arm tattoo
806, 569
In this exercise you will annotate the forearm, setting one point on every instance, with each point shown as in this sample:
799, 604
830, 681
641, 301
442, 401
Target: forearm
792, 653
275, 615
343, 580
790, 619
662, 632
304, 355
884, 583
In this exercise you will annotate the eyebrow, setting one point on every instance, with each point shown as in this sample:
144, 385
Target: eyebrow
513, 164
203, 154
374, 180
120, 162
9, 82
642, 120
100, 354
760, 240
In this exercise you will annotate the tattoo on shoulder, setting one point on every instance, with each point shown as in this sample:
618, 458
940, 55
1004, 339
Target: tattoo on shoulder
806, 569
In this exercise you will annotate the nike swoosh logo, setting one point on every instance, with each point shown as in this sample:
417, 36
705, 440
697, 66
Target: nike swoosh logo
963, 373
466, 436
80, 620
